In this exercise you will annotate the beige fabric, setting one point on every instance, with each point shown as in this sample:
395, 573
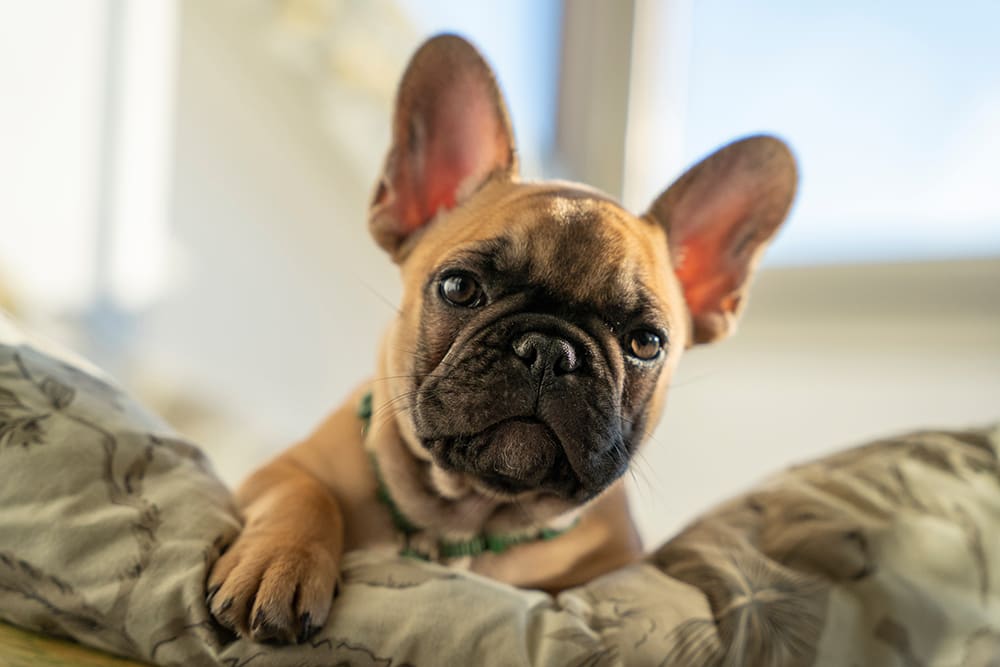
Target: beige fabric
884, 555
887, 554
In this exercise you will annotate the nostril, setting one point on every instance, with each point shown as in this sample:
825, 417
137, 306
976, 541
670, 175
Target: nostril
526, 347
568, 361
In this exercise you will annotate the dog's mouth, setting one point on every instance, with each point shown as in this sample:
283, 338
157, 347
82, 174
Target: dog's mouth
512, 457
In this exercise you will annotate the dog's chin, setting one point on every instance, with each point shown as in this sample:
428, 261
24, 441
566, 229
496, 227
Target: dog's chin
510, 459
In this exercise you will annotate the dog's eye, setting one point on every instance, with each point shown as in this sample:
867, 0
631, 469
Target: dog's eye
644, 344
460, 289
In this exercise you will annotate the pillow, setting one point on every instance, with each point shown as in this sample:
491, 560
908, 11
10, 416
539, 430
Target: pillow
885, 554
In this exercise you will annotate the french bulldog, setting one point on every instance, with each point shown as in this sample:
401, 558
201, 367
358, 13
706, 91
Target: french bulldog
539, 329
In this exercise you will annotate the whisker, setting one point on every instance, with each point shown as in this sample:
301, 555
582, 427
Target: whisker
364, 283
653, 487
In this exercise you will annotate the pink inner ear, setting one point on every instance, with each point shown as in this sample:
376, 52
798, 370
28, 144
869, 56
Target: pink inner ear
706, 261
463, 142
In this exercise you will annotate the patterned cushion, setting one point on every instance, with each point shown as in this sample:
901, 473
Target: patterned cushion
885, 554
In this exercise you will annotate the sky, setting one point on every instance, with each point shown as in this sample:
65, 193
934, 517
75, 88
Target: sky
893, 109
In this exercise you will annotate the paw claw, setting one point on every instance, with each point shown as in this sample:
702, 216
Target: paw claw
306, 628
211, 594
258, 620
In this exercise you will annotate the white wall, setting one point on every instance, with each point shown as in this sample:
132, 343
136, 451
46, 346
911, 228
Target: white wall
51, 78
280, 297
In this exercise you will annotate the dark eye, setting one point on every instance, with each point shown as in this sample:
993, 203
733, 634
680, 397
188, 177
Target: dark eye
460, 289
644, 344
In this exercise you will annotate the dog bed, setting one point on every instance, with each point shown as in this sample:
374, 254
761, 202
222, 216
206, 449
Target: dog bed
886, 554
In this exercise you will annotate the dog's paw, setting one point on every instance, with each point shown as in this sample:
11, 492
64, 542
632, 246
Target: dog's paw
272, 591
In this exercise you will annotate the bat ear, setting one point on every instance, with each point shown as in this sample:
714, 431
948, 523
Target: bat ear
719, 217
451, 133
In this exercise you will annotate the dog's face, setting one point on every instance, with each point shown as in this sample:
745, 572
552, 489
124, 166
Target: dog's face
541, 323
545, 326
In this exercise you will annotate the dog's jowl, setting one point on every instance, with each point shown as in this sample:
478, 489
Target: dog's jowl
539, 328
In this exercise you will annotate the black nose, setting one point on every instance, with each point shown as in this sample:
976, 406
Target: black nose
546, 353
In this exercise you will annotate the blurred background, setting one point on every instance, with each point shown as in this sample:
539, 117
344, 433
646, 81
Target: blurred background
183, 191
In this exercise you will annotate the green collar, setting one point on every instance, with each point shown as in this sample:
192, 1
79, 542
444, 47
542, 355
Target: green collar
446, 549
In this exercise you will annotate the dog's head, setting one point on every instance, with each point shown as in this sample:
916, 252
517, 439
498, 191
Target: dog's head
541, 322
